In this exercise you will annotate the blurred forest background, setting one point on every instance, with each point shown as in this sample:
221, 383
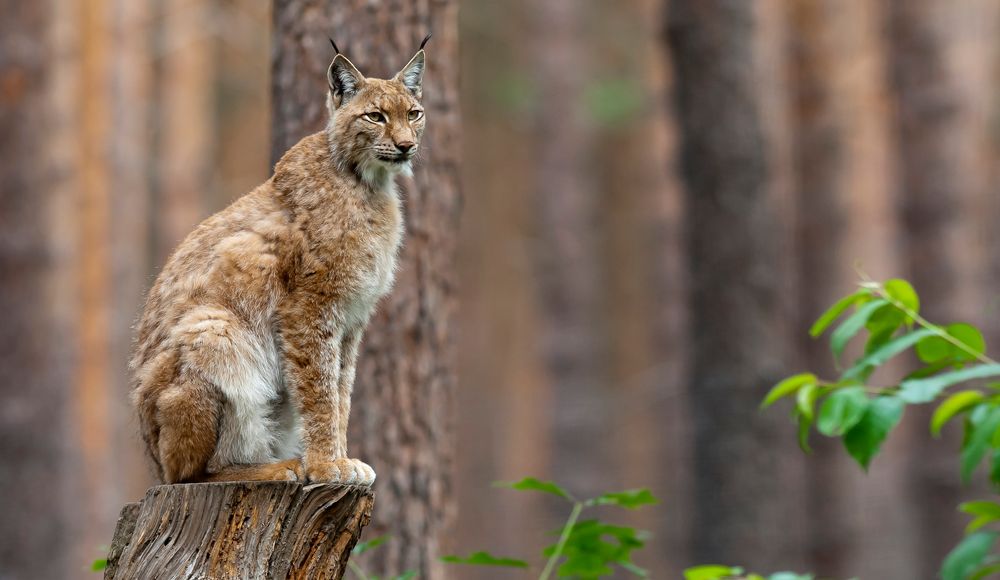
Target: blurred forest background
658, 197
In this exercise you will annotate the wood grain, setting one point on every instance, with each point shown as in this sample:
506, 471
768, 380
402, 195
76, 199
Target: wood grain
246, 530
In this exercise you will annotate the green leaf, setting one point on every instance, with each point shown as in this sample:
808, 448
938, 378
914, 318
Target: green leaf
931, 369
879, 338
787, 387
886, 321
953, 405
363, 547
841, 411
937, 349
532, 484
986, 512
995, 468
711, 572
981, 508
927, 389
592, 547
631, 499
934, 349
883, 354
967, 556
854, 323
978, 523
864, 440
834, 312
984, 571
971, 337
485, 559
903, 292
99, 564
805, 401
981, 426
804, 424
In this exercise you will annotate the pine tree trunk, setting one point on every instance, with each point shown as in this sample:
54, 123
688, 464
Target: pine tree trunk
932, 190
569, 273
737, 285
401, 420
35, 357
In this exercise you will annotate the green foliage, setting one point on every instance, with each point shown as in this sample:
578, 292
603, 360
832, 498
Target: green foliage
952, 406
841, 411
99, 565
865, 438
853, 325
787, 387
592, 547
585, 549
532, 484
864, 414
968, 556
631, 499
363, 547
485, 559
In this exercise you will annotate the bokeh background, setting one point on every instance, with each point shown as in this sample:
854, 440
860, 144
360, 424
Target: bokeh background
658, 198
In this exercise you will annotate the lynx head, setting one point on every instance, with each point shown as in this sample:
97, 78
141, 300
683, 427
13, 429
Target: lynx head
375, 124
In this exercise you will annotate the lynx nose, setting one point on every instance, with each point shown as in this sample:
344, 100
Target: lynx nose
405, 146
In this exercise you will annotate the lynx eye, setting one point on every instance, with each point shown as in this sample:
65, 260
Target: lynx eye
375, 117
415, 114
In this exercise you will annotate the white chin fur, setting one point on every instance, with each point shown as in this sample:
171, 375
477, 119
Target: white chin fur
379, 174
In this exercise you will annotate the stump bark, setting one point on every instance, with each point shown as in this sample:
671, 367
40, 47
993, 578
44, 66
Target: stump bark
246, 530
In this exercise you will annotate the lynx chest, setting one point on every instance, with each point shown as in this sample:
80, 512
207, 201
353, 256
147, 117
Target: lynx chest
358, 252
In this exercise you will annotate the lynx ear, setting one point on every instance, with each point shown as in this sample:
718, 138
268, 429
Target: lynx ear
344, 79
412, 75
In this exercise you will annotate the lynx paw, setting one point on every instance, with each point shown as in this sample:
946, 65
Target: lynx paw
343, 470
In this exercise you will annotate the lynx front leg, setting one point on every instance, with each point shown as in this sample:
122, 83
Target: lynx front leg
312, 348
348, 367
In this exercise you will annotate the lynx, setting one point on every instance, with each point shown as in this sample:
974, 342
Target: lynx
246, 349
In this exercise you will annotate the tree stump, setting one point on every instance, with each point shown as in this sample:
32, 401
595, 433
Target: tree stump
246, 530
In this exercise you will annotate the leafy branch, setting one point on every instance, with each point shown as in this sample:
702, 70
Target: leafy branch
585, 549
863, 415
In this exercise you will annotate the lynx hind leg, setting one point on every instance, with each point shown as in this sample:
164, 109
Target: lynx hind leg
287, 470
187, 414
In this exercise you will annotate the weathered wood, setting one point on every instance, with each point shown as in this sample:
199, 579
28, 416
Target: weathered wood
248, 530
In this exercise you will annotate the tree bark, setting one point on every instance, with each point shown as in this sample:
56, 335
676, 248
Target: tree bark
401, 421
933, 188
569, 273
239, 530
738, 282
35, 356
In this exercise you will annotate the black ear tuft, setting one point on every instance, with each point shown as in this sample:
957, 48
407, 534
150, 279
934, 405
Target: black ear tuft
337, 50
344, 79
423, 42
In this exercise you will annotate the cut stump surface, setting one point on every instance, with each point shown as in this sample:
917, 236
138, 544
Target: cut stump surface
246, 530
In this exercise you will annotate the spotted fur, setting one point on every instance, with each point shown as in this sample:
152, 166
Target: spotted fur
246, 349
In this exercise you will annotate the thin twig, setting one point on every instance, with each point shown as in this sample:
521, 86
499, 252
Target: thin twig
563, 538
879, 289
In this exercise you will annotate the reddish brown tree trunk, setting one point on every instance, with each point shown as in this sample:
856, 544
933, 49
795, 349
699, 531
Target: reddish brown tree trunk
401, 419
738, 273
35, 349
932, 191
569, 273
